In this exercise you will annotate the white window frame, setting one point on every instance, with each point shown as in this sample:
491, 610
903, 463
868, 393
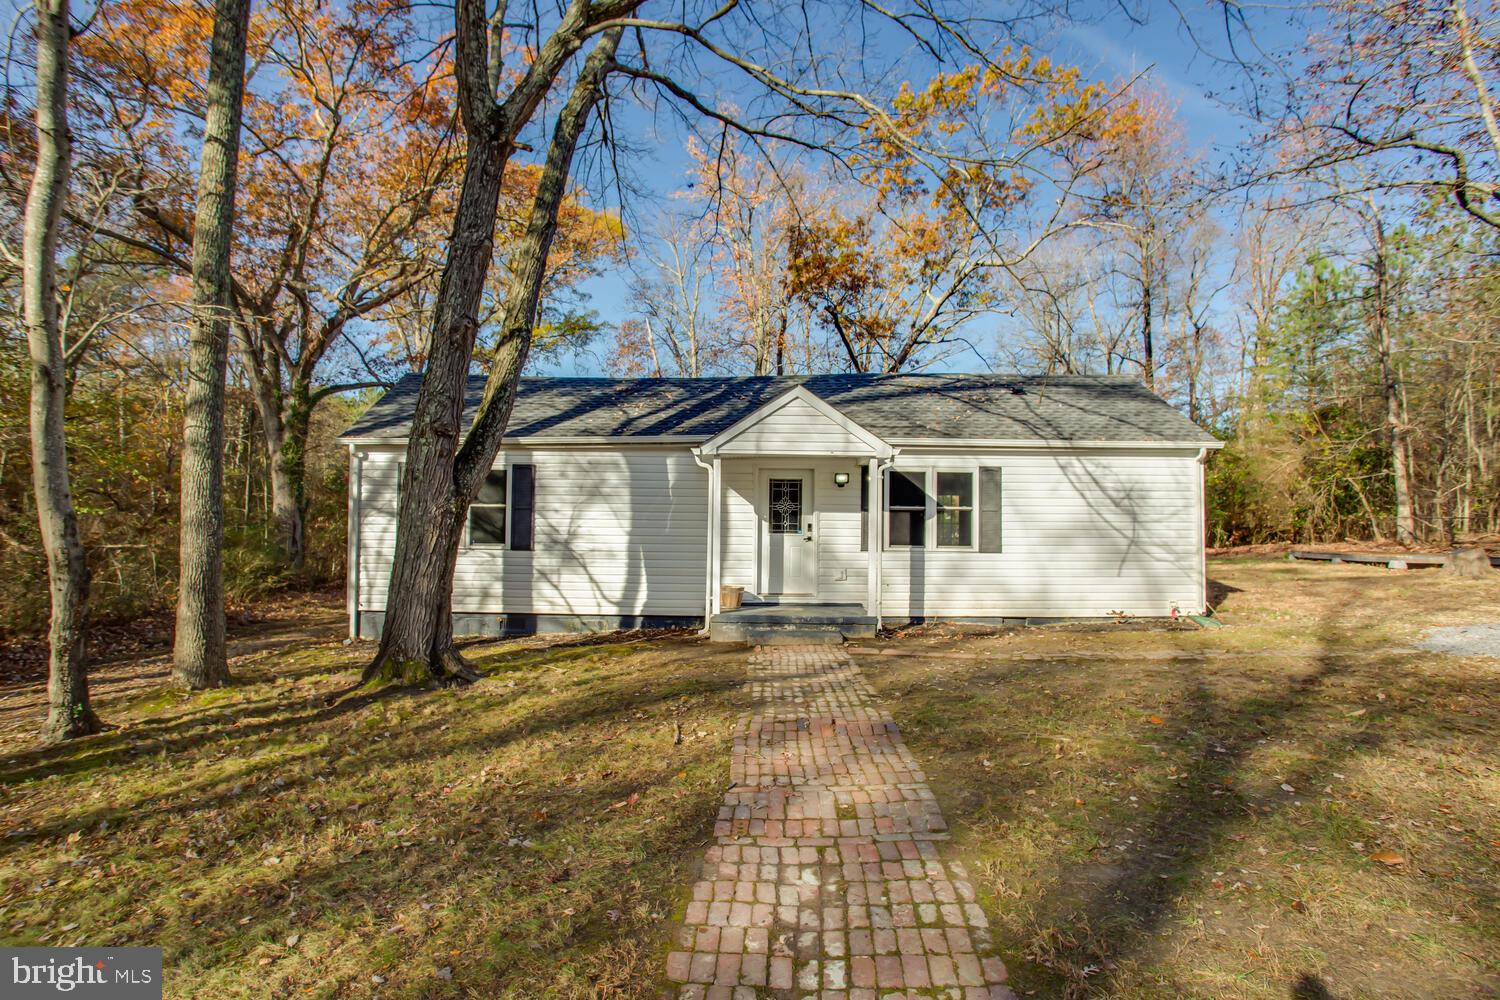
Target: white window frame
469, 543
929, 531
885, 527
973, 508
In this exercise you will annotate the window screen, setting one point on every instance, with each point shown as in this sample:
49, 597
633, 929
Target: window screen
955, 509
487, 512
907, 509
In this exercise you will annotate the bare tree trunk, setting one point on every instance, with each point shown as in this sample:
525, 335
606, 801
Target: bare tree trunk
441, 477
285, 416
69, 713
198, 659
1148, 346
288, 465
1390, 377
417, 632
762, 344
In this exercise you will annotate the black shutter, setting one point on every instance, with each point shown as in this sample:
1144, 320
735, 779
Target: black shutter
522, 506
864, 508
989, 510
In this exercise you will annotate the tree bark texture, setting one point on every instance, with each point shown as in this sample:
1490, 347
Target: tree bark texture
1390, 377
1472, 563
289, 473
198, 657
1148, 319
443, 471
68, 713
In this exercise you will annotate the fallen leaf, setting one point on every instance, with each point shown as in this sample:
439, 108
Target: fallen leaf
1390, 858
292, 939
629, 800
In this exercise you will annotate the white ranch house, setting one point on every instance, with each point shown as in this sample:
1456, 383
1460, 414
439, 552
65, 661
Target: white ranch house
834, 501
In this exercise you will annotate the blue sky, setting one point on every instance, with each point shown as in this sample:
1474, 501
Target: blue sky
1175, 51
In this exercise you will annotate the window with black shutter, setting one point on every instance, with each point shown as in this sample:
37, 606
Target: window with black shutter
522, 507
989, 510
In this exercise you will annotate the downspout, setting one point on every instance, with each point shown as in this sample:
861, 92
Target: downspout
708, 542
877, 515
1203, 528
356, 500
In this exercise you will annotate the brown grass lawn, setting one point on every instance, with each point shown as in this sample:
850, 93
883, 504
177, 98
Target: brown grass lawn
526, 837
1117, 791
1164, 813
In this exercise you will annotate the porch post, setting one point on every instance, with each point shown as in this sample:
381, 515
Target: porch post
872, 576
715, 517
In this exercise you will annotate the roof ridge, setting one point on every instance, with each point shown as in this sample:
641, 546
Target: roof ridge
998, 406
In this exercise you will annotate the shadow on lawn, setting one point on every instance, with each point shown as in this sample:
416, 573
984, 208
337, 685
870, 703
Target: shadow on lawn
1310, 987
450, 886
199, 723
1119, 917
1094, 921
515, 920
619, 696
1218, 590
185, 731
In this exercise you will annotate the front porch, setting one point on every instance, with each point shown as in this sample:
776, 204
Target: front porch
792, 491
774, 624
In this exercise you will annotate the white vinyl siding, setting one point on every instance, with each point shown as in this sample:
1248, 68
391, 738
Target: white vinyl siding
1087, 534
622, 531
798, 428
618, 532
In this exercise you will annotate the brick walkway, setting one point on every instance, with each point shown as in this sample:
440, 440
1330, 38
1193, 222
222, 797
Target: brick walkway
826, 880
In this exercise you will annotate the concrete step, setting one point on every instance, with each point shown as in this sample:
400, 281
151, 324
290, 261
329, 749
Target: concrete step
787, 633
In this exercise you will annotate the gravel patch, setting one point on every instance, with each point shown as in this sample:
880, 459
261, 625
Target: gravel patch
1463, 640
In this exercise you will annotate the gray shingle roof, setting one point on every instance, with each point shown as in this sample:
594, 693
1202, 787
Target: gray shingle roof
994, 407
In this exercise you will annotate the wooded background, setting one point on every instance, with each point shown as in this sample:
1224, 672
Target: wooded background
1323, 298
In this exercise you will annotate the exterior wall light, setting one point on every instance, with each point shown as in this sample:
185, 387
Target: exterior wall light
841, 479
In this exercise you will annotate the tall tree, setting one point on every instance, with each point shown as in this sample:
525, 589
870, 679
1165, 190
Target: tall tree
1385, 276
1143, 201
443, 464
443, 468
752, 209
1404, 92
1273, 240
69, 713
347, 156
678, 331
896, 274
198, 656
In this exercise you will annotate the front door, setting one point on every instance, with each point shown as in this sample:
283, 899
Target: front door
789, 550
